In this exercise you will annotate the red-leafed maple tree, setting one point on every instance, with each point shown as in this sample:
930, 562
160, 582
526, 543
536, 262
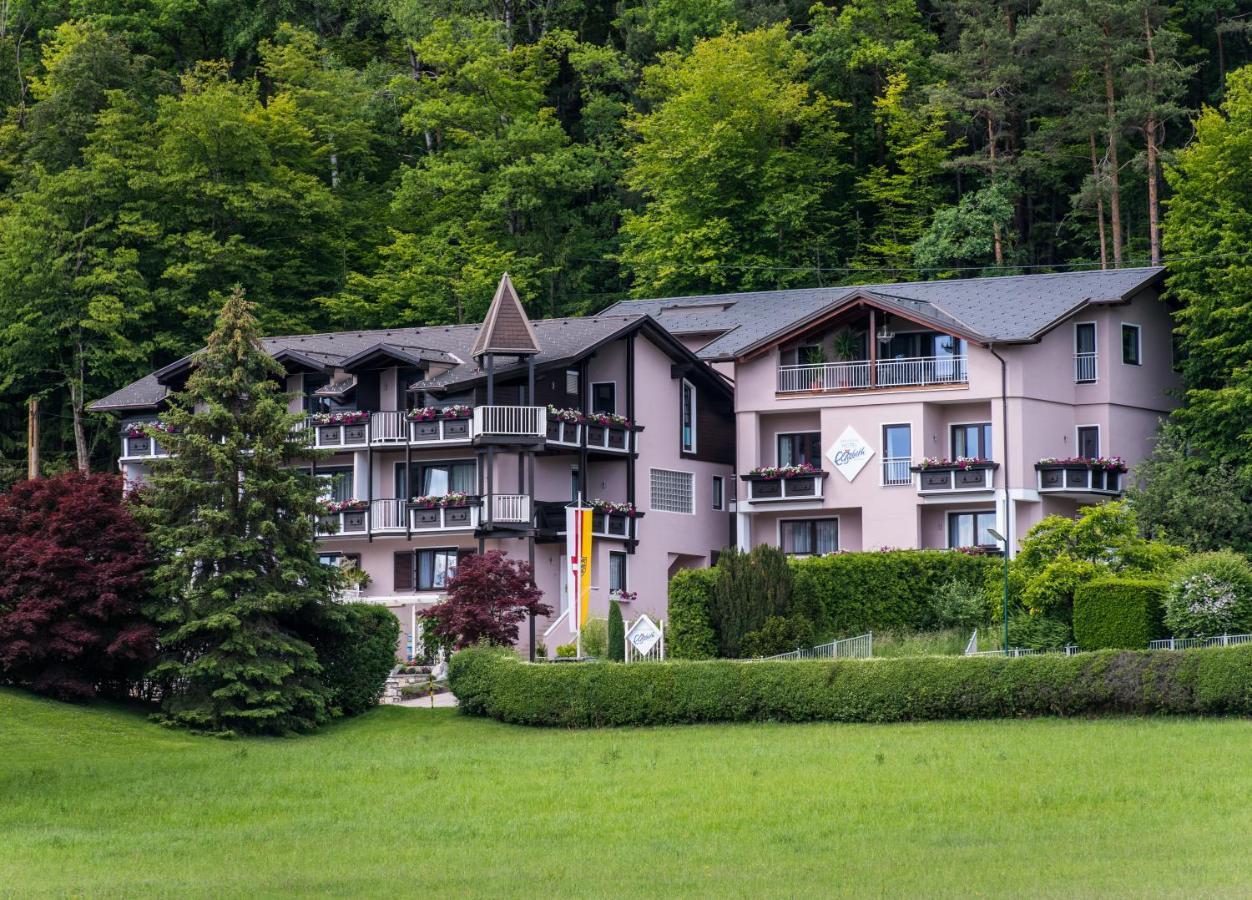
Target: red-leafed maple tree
488, 597
73, 576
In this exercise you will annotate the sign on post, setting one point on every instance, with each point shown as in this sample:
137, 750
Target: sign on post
643, 639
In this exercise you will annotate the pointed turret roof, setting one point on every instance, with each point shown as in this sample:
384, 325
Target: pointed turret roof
506, 330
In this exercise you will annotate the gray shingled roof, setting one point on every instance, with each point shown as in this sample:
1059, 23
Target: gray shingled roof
1006, 308
559, 339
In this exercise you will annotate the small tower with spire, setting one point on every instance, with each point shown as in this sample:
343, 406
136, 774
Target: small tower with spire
506, 332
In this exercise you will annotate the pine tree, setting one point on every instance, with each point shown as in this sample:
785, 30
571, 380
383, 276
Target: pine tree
231, 519
617, 633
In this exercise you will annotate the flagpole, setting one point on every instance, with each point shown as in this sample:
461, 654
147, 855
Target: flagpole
577, 592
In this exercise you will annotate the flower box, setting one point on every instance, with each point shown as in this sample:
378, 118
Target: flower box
138, 446
802, 487
426, 517
456, 428
613, 524
1102, 477
458, 516
425, 430
595, 434
964, 474
354, 434
617, 438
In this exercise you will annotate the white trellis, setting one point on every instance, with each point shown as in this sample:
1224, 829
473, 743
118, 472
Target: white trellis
645, 640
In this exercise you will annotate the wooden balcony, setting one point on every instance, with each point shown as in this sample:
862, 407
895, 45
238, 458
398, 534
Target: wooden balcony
862, 375
955, 478
1078, 480
765, 489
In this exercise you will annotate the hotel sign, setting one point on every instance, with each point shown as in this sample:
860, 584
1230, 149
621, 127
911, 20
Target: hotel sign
849, 453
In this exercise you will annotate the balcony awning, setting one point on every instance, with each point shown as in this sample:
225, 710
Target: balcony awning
337, 389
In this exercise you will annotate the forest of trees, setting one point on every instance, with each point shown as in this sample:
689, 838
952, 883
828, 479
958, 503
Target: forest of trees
373, 163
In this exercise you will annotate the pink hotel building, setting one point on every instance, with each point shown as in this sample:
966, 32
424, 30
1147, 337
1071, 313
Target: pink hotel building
908, 415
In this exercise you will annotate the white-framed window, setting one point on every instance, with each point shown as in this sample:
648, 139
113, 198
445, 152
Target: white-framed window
1087, 441
797, 448
1086, 364
897, 454
687, 402
604, 397
719, 492
971, 529
336, 482
971, 440
1132, 344
673, 491
807, 537
572, 382
617, 570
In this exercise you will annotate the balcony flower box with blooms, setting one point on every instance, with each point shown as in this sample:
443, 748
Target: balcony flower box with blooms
771, 473
347, 417
965, 473
961, 463
570, 416
456, 411
451, 500
623, 596
607, 420
1104, 463
334, 507
611, 518
1098, 474
142, 429
422, 414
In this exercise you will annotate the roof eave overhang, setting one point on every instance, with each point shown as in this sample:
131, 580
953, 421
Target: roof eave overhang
851, 301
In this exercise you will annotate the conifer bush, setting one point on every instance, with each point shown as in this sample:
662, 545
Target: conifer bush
617, 633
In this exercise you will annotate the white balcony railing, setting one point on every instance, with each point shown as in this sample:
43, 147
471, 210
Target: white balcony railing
388, 428
895, 470
387, 516
885, 373
514, 508
1086, 368
511, 421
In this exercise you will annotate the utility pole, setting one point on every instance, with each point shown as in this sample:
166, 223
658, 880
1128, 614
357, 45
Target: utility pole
32, 439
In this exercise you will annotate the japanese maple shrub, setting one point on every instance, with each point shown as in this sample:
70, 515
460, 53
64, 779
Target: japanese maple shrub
231, 515
488, 598
73, 578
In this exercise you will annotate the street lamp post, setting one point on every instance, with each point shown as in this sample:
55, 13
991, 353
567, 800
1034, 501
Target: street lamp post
1004, 542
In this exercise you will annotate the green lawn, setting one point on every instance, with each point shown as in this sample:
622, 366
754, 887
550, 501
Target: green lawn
419, 803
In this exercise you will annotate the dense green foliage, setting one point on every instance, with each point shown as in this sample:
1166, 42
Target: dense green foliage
1059, 555
231, 519
689, 631
714, 791
1120, 613
358, 164
749, 588
617, 633
859, 592
355, 645
1207, 682
1209, 594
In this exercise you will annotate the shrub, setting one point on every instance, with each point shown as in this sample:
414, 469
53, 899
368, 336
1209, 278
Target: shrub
566, 651
617, 633
595, 638
858, 592
1210, 593
958, 603
1038, 631
1118, 612
750, 587
778, 635
488, 597
356, 648
73, 577
1215, 681
689, 634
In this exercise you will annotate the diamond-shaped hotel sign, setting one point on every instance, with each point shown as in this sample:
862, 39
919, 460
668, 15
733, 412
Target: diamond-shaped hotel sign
849, 453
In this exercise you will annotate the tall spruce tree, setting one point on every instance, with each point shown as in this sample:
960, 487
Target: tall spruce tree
232, 522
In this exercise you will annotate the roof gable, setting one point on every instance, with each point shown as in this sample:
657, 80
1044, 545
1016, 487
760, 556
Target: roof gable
507, 329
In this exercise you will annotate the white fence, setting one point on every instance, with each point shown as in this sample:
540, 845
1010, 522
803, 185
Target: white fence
859, 647
511, 421
1220, 640
971, 649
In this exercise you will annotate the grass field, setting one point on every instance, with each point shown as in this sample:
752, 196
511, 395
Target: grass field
418, 803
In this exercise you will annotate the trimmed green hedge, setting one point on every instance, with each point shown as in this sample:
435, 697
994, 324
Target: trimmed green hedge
1211, 682
356, 648
859, 592
689, 631
1123, 613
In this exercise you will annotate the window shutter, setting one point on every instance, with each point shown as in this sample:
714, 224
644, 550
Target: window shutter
404, 576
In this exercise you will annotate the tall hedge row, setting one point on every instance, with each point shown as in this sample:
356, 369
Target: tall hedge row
1205, 682
849, 593
1121, 613
356, 648
859, 592
689, 632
